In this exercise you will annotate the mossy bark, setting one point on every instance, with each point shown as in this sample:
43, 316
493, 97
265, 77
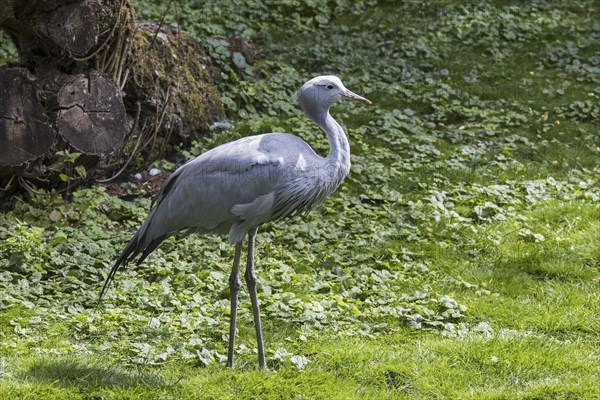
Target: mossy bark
171, 81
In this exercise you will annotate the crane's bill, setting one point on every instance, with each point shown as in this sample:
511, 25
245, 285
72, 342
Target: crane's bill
354, 96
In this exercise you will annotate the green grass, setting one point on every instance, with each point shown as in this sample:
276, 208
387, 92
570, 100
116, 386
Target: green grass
459, 260
502, 365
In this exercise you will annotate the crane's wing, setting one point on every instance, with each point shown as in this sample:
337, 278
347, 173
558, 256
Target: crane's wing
228, 189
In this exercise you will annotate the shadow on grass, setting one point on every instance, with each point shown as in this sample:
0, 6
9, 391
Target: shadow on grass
71, 371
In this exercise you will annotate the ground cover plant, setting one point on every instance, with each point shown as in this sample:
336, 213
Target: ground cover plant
460, 259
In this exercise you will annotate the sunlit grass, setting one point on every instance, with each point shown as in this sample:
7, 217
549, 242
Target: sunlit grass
482, 364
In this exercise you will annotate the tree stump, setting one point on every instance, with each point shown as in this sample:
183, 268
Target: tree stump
25, 132
91, 115
93, 81
62, 29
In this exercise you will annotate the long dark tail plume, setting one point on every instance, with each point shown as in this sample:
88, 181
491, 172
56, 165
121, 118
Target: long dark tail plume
132, 250
136, 245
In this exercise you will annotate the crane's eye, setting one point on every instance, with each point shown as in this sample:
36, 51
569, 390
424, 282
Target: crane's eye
330, 86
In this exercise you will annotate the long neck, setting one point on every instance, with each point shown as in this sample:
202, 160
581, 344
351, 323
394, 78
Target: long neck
337, 162
339, 148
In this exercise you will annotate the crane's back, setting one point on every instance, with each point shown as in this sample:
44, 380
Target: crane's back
240, 185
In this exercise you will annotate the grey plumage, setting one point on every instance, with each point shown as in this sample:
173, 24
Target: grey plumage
238, 186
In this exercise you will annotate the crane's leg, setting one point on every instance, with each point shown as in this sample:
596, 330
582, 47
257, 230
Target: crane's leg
251, 282
234, 287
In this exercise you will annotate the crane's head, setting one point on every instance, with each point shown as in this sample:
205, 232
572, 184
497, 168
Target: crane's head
321, 92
